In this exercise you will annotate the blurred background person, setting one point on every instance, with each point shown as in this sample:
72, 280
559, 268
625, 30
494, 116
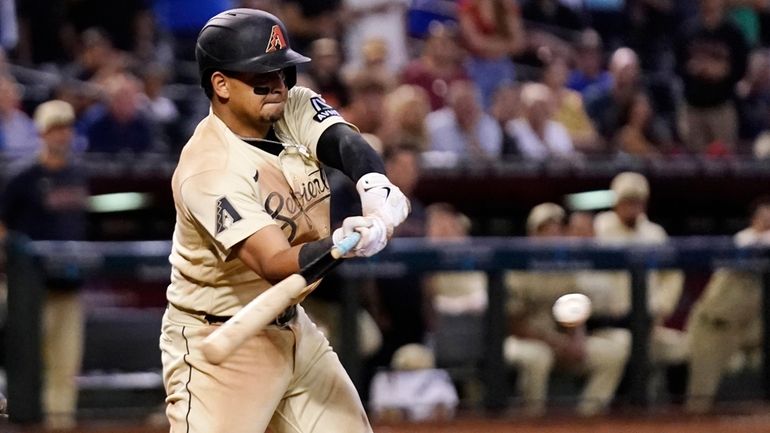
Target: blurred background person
641, 134
18, 136
538, 135
607, 100
376, 19
118, 126
324, 71
47, 201
569, 109
492, 32
506, 107
457, 303
726, 317
753, 98
711, 56
406, 109
589, 69
462, 128
367, 95
627, 224
439, 64
308, 20
537, 343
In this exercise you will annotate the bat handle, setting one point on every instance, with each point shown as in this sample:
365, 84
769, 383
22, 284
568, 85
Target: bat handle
346, 244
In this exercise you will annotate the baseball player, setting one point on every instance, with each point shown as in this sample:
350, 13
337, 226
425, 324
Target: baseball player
252, 208
627, 223
726, 317
537, 344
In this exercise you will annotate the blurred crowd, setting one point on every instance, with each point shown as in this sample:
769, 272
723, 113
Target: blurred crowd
439, 80
479, 79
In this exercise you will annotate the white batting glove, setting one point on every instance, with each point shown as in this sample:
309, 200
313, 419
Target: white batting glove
381, 198
374, 235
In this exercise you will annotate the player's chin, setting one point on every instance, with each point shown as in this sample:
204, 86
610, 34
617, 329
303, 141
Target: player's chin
273, 112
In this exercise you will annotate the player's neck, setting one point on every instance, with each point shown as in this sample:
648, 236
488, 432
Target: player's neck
239, 127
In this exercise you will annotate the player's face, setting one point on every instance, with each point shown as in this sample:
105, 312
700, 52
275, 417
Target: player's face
258, 98
629, 210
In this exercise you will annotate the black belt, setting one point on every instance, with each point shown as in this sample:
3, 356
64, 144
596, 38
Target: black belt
282, 321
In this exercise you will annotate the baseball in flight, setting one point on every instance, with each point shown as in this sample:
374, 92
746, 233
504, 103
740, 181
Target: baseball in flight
572, 309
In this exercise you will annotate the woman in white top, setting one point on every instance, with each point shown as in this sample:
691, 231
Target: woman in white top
539, 136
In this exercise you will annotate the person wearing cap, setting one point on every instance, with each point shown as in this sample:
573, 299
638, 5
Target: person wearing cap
47, 201
413, 388
627, 224
537, 344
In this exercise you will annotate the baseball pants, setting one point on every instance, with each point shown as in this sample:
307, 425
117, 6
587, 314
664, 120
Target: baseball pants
286, 378
607, 352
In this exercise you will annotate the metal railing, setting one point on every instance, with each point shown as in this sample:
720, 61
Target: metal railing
403, 257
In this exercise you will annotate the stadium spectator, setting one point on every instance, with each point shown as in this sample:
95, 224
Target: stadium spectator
462, 128
711, 56
440, 64
589, 67
726, 317
551, 26
308, 20
650, 25
117, 19
18, 137
159, 108
569, 109
607, 101
95, 59
47, 201
538, 135
553, 17
753, 97
538, 344
505, 108
492, 32
376, 19
406, 109
367, 94
119, 126
324, 70
641, 134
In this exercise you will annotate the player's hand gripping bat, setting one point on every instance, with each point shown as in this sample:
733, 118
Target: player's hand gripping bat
263, 309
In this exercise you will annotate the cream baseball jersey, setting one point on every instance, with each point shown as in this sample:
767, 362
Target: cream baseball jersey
226, 189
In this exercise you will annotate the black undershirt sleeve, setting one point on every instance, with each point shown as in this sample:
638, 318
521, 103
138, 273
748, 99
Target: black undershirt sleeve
341, 147
314, 262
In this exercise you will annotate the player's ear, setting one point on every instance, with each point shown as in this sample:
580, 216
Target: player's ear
220, 84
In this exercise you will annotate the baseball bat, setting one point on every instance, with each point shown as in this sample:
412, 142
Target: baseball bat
263, 309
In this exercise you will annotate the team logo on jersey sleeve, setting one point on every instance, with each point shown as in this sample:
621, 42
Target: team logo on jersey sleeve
226, 215
322, 110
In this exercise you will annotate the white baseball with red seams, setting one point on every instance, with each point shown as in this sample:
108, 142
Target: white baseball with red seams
572, 309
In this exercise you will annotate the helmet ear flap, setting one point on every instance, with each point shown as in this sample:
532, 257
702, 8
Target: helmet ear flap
290, 76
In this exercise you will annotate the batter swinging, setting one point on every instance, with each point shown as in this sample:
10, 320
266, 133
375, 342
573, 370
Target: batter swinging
252, 208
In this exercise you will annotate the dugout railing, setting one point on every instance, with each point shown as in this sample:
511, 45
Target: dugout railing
27, 260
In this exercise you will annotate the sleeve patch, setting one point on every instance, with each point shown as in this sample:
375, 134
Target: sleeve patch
322, 109
226, 215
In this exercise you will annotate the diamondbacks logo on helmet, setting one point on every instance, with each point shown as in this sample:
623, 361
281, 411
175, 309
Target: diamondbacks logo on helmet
277, 41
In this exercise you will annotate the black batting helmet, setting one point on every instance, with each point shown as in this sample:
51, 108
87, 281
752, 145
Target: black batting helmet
245, 40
